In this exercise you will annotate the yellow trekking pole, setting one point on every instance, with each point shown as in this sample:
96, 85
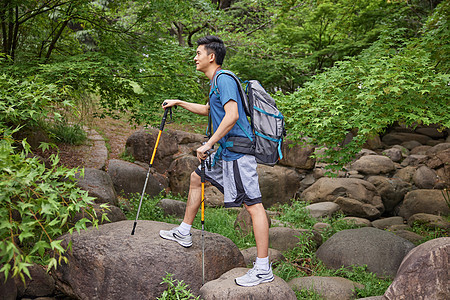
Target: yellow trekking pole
203, 179
161, 127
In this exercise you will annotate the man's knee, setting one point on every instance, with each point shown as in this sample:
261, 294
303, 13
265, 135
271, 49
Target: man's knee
195, 179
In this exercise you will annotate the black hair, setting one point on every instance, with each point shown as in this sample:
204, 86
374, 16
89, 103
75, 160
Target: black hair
214, 44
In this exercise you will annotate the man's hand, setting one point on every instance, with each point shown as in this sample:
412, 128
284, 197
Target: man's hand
202, 152
170, 102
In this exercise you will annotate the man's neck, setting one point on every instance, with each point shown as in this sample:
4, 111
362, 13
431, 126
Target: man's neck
212, 71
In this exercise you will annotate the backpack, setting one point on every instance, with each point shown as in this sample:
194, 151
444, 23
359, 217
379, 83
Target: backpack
267, 122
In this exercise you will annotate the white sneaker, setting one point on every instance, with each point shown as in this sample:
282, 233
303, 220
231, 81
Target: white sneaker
175, 235
255, 276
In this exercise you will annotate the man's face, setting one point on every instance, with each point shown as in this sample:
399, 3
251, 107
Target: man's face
203, 59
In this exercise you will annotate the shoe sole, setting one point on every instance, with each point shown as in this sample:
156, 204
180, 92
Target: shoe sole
255, 283
168, 237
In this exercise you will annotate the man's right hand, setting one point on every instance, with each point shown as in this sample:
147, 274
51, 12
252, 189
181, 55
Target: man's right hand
170, 102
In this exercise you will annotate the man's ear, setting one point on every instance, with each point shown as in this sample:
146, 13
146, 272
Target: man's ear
212, 57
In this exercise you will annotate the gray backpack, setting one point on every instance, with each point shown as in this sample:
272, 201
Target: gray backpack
266, 121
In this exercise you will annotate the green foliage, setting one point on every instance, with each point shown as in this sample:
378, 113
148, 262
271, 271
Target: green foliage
62, 132
36, 207
176, 290
149, 209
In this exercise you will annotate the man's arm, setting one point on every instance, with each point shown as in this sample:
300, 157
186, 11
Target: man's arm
230, 118
199, 109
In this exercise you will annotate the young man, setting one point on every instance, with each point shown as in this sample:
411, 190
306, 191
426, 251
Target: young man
234, 174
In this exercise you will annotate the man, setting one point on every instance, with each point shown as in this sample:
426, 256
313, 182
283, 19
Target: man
234, 174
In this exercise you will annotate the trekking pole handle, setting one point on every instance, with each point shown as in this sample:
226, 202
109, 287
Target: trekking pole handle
163, 121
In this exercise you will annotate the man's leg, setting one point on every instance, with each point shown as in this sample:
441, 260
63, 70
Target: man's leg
260, 228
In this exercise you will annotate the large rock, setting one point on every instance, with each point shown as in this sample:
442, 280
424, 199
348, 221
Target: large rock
428, 220
424, 201
380, 250
425, 178
297, 156
141, 145
424, 273
225, 288
355, 196
8, 289
250, 254
395, 138
373, 165
278, 184
387, 222
322, 209
284, 238
329, 288
99, 185
180, 173
391, 190
110, 263
130, 178
173, 207
40, 284
244, 223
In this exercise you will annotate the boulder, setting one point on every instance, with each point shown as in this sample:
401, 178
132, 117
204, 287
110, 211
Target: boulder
130, 178
380, 250
423, 273
405, 174
360, 222
284, 238
424, 201
414, 160
394, 154
329, 189
40, 284
420, 150
297, 156
373, 165
244, 224
411, 144
391, 190
141, 145
429, 220
99, 185
425, 178
275, 256
173, 207
329, 288
225, 288
8, 289
110, 263
431, 132
395, 138
356, 208
373, 298
322, 209
319, 226
213, 197
441, 147
387, 222
180, 173
409, 235
277, 184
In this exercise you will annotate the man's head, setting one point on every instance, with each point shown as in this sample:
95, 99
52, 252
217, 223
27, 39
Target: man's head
215, 45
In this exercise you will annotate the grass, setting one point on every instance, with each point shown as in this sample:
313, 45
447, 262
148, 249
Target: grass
63, 132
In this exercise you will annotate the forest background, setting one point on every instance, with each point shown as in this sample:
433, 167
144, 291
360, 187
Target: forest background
333, 67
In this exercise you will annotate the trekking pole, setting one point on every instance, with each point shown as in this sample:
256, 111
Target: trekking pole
203, 179
161, 127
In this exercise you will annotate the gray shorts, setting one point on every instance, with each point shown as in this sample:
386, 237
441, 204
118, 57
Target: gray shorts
237, 180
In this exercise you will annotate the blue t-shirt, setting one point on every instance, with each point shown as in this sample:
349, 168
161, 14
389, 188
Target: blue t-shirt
228, 90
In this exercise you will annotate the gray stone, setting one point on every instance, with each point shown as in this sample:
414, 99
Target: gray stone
437, 149
225, 288
275, 256
420, 150
414, 160
141, 145
287, 182
424, 201
297, 156
8, 289
373, 298
321, 226
394, 154
391, 190
429, 220
409, 235
401, 137
41, 283
406, 174
356, 208
179, 173
404, 150
130, 178
387, 222
373, 165
110, 263
322, 209
99, 185
330, 288
431, 132
329, 189
213, 197
173, 207
411, 144
283, 238
380, 250
423, 273
360, 222
425, 178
